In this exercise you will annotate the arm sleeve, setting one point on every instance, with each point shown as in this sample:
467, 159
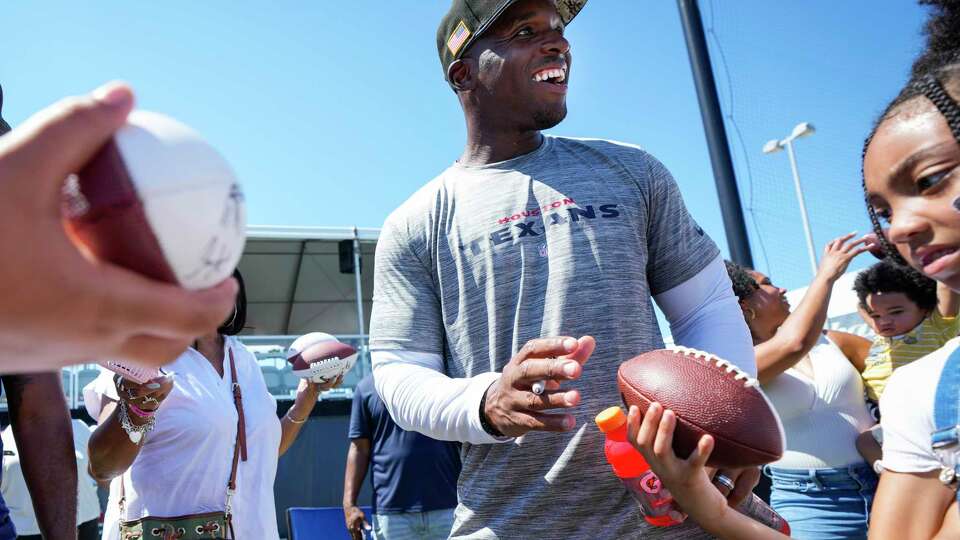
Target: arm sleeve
420, 397
704, 314
407, 344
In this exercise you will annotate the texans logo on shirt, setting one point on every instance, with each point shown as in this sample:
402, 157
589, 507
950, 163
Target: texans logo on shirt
519, 230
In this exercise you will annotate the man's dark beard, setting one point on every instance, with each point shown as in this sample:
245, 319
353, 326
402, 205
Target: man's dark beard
547, 118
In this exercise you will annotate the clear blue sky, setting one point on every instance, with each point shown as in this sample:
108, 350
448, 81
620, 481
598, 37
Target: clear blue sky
333, 113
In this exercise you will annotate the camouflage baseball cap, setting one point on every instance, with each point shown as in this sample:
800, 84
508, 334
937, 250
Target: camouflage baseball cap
468, 19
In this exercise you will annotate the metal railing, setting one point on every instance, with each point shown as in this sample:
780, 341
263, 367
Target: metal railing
270, 353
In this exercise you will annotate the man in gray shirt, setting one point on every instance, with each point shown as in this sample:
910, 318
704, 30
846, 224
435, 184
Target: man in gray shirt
527, 239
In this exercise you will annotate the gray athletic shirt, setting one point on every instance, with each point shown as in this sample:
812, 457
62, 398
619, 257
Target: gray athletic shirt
570, 239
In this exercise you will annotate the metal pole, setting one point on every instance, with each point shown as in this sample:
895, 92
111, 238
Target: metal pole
723, 174
811, 251
359, 290
294, 287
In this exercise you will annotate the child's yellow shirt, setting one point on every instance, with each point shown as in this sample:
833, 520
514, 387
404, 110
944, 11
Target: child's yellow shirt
888, 354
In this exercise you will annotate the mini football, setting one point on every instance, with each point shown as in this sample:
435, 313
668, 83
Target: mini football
320, 357
159, 200
709, 396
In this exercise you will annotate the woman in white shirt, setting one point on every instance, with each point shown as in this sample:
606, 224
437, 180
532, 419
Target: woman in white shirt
821, 485
168, 445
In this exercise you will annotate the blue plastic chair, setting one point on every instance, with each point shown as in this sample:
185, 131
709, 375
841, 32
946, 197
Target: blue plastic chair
324, 523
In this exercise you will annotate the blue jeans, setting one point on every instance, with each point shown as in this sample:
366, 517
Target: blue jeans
432, 525
824, 503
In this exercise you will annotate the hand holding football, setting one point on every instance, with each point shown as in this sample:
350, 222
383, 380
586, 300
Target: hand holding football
320, 357
709, 396
159, 200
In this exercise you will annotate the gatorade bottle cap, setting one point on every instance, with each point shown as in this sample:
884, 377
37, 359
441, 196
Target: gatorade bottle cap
611, 419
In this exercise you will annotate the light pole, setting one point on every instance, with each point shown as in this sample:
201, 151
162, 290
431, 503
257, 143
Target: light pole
801, 130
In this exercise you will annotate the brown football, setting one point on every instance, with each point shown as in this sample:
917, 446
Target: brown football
709, 396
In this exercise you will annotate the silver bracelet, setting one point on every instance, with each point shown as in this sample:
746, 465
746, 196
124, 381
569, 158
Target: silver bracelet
296, 421
134, 431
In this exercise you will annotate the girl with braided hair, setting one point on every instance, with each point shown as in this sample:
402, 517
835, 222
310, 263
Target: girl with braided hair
911, 171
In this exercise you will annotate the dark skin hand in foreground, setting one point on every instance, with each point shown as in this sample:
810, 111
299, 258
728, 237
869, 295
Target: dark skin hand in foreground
42, 429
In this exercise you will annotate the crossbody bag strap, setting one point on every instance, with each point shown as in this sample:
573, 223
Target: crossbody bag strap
240, 446
946, 418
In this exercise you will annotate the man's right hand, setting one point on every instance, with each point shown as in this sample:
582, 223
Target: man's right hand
511, 406
356, 522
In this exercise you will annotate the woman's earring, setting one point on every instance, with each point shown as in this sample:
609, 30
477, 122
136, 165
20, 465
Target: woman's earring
236, 310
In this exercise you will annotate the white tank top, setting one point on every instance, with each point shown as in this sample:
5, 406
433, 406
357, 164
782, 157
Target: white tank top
823, 415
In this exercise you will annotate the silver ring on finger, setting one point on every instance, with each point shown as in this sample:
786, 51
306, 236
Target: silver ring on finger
723, 480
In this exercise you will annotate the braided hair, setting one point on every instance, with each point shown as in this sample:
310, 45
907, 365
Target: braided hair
938, 65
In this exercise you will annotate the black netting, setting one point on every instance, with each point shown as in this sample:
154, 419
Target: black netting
797, 67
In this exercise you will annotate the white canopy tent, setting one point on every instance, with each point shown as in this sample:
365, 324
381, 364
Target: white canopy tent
300, 280
295, 283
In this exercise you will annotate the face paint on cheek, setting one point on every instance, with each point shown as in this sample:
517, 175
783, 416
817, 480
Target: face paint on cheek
956, 204
490, 65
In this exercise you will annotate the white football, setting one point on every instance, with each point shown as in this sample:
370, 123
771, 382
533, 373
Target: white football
320, 357
159, 200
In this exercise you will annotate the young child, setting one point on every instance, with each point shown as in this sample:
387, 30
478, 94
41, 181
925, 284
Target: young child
911, 315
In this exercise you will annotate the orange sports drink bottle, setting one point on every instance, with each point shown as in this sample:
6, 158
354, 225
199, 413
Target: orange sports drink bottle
657, 504
628, 464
